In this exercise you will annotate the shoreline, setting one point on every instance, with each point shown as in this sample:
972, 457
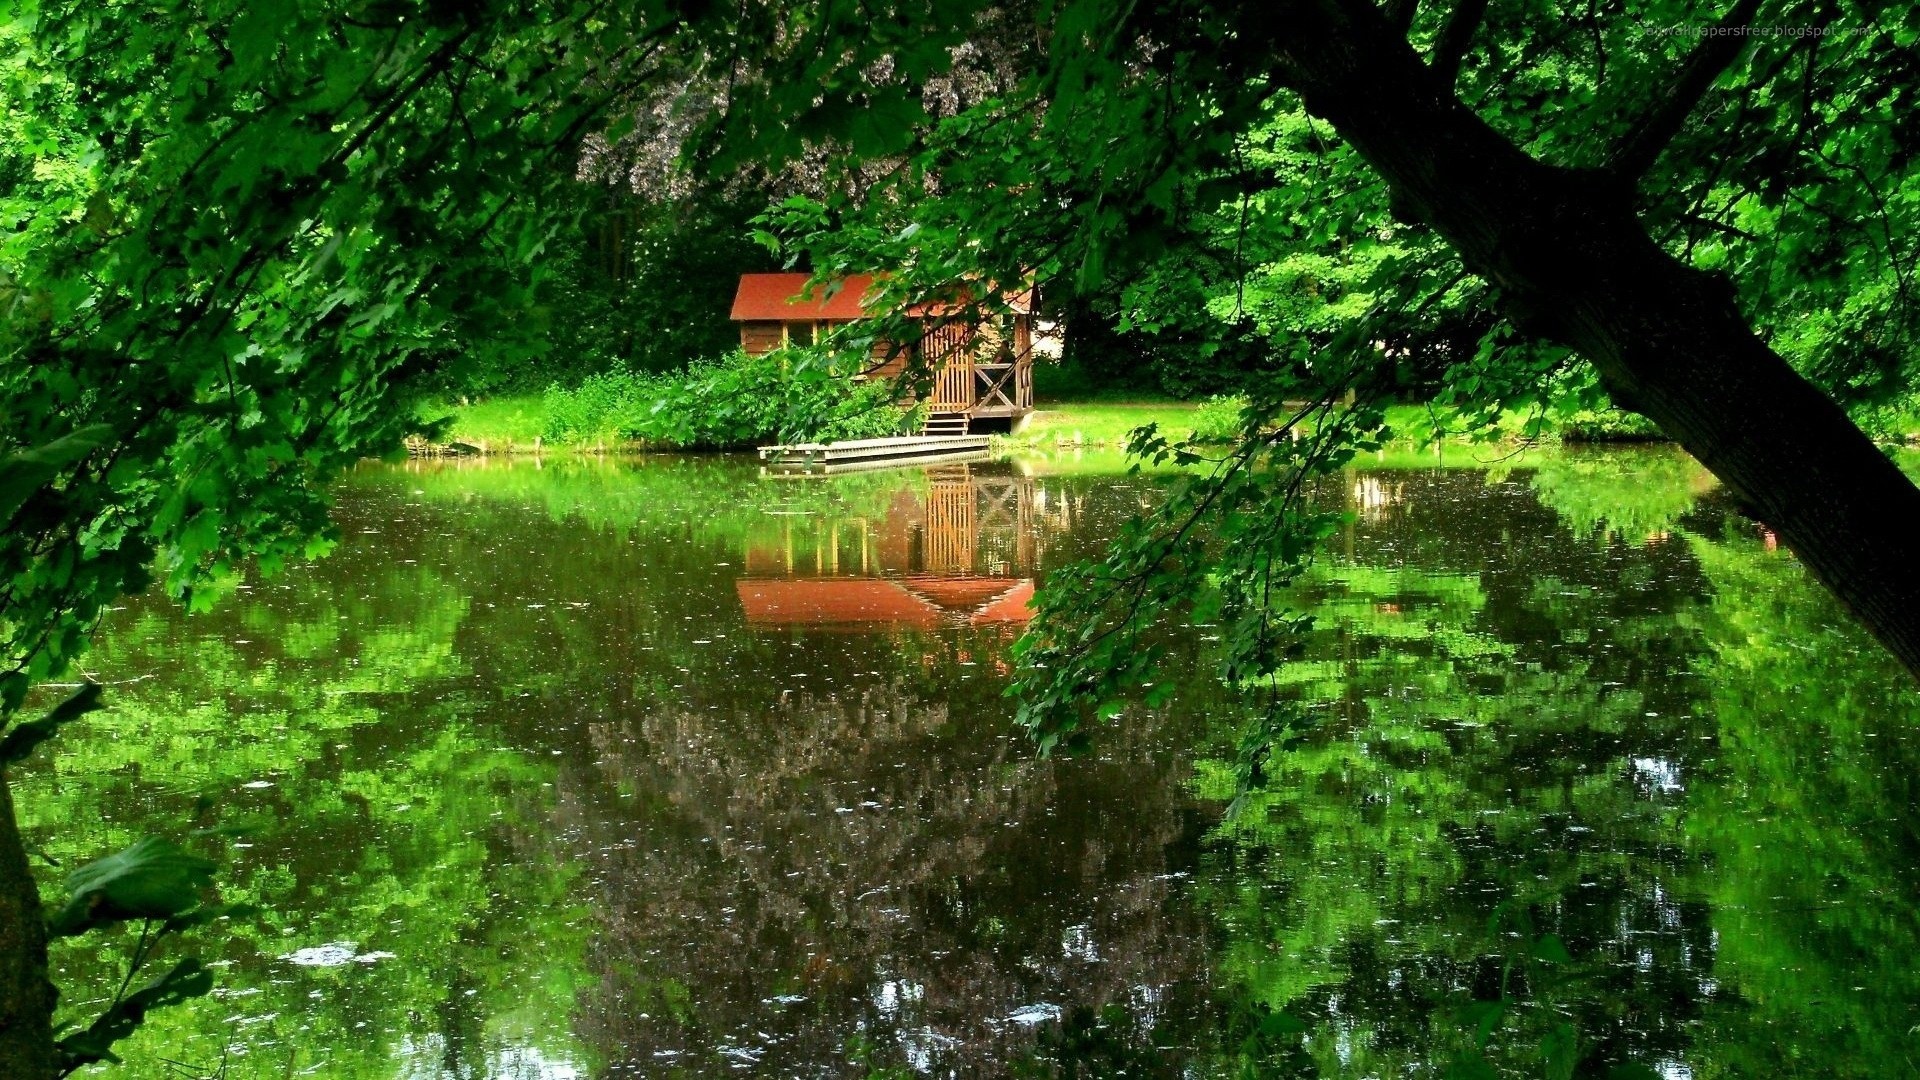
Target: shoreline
509, 427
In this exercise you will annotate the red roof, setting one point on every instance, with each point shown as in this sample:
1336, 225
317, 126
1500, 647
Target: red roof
779, 297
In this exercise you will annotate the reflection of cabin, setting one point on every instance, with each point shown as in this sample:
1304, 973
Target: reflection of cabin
959, 552
909, 603
982, 371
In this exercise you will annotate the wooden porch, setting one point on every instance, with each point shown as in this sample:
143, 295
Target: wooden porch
967, 388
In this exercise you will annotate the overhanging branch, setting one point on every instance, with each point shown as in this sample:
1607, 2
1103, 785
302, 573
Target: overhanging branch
1456, 36
1400, 14
1665, 115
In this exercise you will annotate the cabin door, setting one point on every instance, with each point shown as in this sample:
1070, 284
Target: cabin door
946, 350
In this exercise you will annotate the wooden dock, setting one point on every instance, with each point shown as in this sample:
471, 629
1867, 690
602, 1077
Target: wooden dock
875, 453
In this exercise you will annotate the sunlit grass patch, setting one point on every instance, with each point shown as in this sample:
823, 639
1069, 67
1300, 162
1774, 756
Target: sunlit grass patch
1103, 424
497, 425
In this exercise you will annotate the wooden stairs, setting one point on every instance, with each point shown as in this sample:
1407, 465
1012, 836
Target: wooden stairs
946, 425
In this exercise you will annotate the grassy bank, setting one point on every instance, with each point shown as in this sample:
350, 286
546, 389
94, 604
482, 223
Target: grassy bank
1107, 424
500, 425
513, 424
1101, 423
519, 423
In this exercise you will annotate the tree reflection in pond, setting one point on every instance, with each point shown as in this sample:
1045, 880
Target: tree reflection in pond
665, 768
1539, 734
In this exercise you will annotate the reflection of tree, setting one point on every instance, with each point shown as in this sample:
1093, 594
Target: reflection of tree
1633, 493
316, 711
1655, 747
1503, 728
783, 878
1808, 828
482, 633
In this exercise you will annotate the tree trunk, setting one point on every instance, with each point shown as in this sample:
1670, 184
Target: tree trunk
1573, 264
26, 996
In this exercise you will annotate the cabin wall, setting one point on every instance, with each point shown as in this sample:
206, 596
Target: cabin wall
888, 362
759, 338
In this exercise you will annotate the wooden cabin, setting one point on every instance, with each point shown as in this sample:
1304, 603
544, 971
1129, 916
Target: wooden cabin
983, 371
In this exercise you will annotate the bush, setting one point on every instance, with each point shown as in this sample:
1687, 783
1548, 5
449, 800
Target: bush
1609, 425
597, 408
1219, 419
791, 395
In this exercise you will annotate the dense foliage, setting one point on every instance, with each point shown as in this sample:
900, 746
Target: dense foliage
239, 241
628, 285
236, 238
795, 394
1214, 205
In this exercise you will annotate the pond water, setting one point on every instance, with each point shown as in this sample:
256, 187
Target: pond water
665, 768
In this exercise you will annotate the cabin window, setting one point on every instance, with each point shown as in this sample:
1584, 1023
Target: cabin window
799, 333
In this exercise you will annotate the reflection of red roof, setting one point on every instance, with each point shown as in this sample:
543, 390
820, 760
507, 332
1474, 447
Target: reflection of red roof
921, 603
959, 593
827, 601
785, 296
1013, 606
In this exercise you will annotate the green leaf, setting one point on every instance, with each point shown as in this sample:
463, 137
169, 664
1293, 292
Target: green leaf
1560, 1051
1281, 1024
210, 913
1482, 1017
153, 879
1470, 1068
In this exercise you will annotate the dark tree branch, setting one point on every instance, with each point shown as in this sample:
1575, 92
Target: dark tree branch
1400, 14
1667, 112
1716, 225
1573, 264
1456, 37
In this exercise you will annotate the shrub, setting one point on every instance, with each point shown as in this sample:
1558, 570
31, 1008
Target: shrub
597, 408
1609, 425
1219, 419
792, 395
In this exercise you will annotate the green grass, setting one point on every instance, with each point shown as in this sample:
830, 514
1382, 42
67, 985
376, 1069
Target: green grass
513, 423
496, 425
1100, 423
1106, 424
